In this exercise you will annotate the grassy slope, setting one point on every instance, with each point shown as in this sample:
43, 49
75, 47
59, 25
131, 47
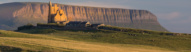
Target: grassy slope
172, 41
16, 41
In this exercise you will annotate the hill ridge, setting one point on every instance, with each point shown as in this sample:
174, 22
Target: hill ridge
38, 13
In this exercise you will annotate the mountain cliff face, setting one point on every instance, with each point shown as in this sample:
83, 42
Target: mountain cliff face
16, 14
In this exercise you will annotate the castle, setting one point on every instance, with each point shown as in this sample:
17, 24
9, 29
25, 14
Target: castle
56, 15
57, 19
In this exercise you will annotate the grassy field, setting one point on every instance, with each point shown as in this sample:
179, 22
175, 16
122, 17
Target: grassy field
43, 40
23, 42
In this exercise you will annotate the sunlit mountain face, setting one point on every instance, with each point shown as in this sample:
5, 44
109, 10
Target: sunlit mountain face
23, 13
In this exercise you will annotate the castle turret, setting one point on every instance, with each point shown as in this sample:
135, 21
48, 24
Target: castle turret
55, 8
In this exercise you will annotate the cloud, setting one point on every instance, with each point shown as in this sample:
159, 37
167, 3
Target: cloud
100, 4
169, 16
173, 15
1, 2
175, 18
183, 21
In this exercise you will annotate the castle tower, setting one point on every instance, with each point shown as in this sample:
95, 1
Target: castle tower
49, 13
55, 14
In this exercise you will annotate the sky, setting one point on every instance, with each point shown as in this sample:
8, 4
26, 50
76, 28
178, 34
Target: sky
174, 15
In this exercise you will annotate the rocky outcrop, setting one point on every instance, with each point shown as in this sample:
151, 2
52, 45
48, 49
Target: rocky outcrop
38, 12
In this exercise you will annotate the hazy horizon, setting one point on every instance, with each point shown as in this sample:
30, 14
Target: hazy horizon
173, 15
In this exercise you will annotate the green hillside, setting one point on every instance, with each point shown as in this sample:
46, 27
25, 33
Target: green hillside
43, 40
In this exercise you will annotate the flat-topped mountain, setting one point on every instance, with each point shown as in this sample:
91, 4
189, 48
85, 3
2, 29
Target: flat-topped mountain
17, 14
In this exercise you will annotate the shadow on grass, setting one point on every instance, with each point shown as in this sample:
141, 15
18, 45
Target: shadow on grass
12, 49
46, 31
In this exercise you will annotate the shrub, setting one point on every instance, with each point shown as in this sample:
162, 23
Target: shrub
28, 26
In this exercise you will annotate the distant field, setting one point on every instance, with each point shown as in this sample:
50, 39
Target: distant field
93, 41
